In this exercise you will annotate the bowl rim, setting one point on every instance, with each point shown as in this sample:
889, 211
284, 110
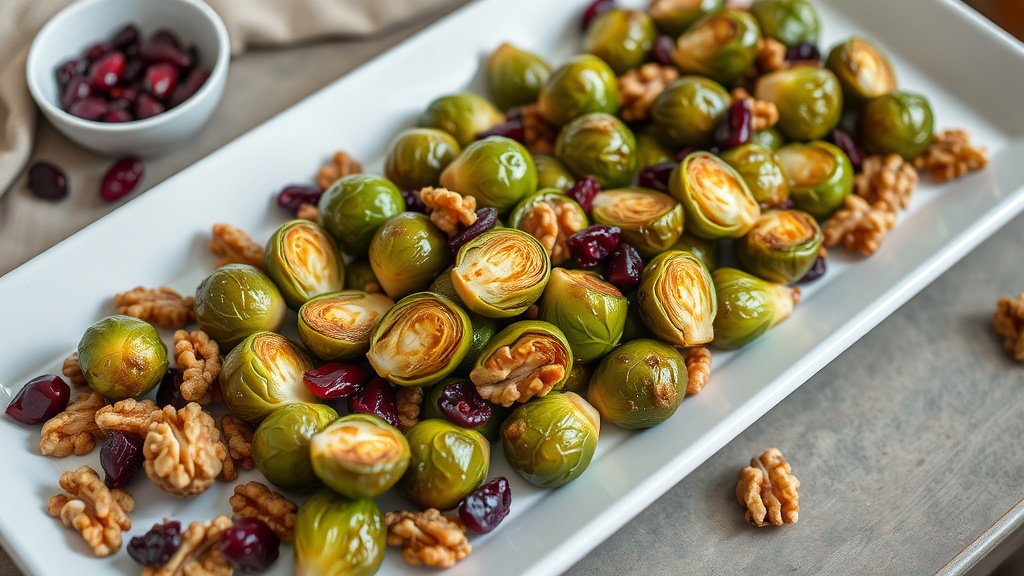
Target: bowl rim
217, 72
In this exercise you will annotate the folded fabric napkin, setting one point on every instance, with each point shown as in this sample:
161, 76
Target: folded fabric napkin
249, 23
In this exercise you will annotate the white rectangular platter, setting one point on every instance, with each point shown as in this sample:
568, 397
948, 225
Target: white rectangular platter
971, 71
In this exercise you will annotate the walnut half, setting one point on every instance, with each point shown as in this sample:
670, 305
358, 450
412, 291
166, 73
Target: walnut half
96, 512
199, 553
530, 367
183, 450
74, 430
768, 489
255, 500
1008, 322
428, 537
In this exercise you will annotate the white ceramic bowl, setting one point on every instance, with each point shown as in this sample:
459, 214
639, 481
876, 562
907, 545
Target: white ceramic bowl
69, 33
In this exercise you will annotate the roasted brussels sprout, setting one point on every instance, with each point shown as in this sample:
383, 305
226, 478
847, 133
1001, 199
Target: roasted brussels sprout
810, 100
820, 176
497, 171
359, 455
622, 38
550, 211
407, 252
280, 445
589, 311
688, 110
448, 462
579, 379
863, 71
462, 115
501, 272
714, 197
770, 138
649, 151
635, 328
781, 247
526, 359
598, 145
359, 276
237, 300
303, 261
650, 221
456, 400
337, 326
335, 536
761, 172
896, 123
122, 357
639, 384
705, 250
788, 21
422, 339
262, 374
677, 299
550, 441
673, 17
747, 306
551, 173
515, 76
722, 46
583, 85
355, 206
484, 329
417, 156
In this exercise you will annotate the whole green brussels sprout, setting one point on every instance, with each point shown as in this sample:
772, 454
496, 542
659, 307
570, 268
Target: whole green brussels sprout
715, 198
579, 379
589, 311
515, 76
650, 221
688, 110
639, 384
862, 69
622, 38
417, 156
501, 272
122, 357
649, 151
448, 463
337, 326
484, 329
677, 299
280, 444
237, 300
781, 247
809, 99
761, 172
359, 455
820, 176
407, 252
722, 46
462, 115
485, 417
748, 306
359, 276
896, 123
497, 171
534, 212
582, 85
598, 145
526, 359
262, 374
770, 138
336, 536
551, 440
355, 206
788, 21
673, 17
303, 261
635, 328
551, 173
705, 250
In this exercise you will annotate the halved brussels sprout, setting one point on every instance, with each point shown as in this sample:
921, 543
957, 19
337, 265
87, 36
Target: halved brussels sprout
497, 171
761, 172
810, 100
579, 379
122, 357
422, 339
649, 151
280, 445
820, 176
650, 221
262, 374
705, 250
550, 441
550, 211
788, 21
335, 536
337, 326
748, 306
359, 455
677, 299
781, 247
598, 145
770, 138
589, 311
688, 110
896, 123
527, 359
714, 197
862, 69
417, 156
722, 46
551, 173
639, 384
515, 76
673, 17
622, 38
501, 272
303, 261
448, 463
459, 396
582, 85
462, 115
238, 300
407, 253
359, 276
355, 206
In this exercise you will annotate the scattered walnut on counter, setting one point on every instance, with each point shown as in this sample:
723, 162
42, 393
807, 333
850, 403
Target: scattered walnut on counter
237, 436
538, 134
449, 211
199, 356
428, 537
951, 156
234, 246
96, 512
341, 165
768, 489
860, 227
698, 368
159, 306
183, 450
638, 88
307, 211
408, 401
74, 430
129, 415
73, 371
886, 179
199, 553
1008, 322
255, 500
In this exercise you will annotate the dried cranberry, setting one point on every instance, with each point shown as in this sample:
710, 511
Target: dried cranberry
165, 36
91, 108
461, 403
69, 70
335, 380
40, 399
169, 392
656, 176
106, 72
120, 458
684, 152
486, 218
376, 398
160, 80
122, 178
413, 203
126, 37
593, 10
591, 246
76, 89
96, 51
146, 106
584, 191
118, 115
155, 548
511, 129
664, 49
803, 52
486, 506
845, 142
624, 267
193, 82
47, 181
161, 52
291, 197
817, 271
737, 127
250, 545
133, 69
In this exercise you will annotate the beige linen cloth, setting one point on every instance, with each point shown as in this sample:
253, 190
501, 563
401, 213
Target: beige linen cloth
249, 23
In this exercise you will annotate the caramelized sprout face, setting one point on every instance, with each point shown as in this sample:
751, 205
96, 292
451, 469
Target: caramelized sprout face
407, 253
359, 455
639, 384
810, 100
688, 110
550, 441
501, 272
781, 247
761, 172
417, 156
820, 176
263, 374
583, 85
355, 206
896, 123
280, 445
336, 536
497, 171
448, 463
748, 306
238, 300
622, 38
122, 357
862, 69
515, 76
462, 115
303, 261
722, 46
677, 299
650, 221
337, 326
598, 145
673, 17
525, 360
788, 21
714, 197
590, 312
